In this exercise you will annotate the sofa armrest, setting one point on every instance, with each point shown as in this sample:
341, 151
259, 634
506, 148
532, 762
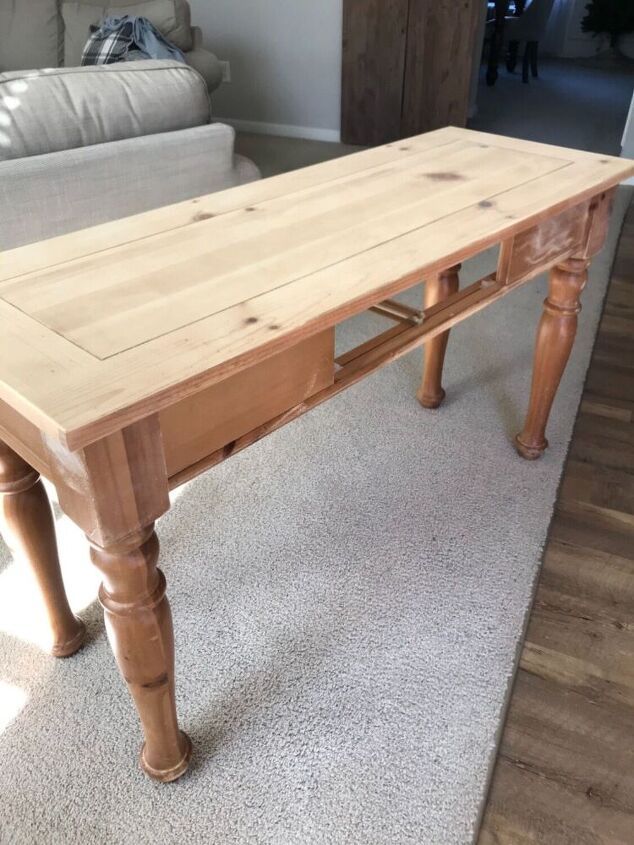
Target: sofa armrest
49, 195
204, 62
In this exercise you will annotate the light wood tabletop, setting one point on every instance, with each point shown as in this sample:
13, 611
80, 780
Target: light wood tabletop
137, 354
106, 325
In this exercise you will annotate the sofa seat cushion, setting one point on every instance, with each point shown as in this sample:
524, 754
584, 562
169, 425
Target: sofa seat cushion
30, 34
64, 108
171, 17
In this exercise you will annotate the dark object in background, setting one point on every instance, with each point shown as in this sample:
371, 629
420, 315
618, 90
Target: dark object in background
612, 17
407, 67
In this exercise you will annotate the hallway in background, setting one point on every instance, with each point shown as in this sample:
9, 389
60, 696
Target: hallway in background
578, 103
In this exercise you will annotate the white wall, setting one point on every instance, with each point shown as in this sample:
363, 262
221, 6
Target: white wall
553, 43
564, 36
627, 142
285, 63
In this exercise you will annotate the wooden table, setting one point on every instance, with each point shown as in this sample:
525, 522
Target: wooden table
137, 354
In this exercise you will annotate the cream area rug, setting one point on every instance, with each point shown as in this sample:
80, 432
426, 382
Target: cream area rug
349, 597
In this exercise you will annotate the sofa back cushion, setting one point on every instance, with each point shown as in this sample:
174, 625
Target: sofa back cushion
171, 17
30, 34
66, 108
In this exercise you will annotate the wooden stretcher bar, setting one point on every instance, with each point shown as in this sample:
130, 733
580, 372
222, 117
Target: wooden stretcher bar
363, 360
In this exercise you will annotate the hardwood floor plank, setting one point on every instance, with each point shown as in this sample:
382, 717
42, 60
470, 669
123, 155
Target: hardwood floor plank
565, 773
592, 575
617, 409
610, 380
597, 484
591, 527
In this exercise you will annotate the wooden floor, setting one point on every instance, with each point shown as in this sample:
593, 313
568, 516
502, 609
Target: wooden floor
565, 767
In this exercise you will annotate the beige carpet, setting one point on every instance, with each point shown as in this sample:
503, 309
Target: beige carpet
349, 596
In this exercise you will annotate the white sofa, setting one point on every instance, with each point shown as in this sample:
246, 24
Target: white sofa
84, 145
52, 33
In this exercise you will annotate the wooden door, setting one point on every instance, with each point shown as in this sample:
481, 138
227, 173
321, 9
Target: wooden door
406, 67
374, 42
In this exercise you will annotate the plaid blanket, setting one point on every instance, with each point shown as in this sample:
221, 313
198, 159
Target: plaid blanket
106, 45
126, 39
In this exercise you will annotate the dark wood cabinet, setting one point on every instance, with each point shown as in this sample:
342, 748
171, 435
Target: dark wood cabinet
406, 66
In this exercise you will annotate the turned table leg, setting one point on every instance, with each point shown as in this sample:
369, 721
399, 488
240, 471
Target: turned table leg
139, 626
115, 489
28, 528
555, 337
437, 289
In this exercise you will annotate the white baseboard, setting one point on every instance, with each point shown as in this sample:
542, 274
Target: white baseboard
312, 133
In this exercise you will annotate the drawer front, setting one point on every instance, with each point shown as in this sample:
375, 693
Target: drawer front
210, 420
541, 246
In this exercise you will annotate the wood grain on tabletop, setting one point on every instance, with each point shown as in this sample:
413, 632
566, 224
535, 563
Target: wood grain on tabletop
114, 323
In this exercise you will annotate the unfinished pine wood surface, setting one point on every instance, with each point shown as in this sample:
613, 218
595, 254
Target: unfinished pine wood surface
101, 328
565, 766
136, 355
217, 416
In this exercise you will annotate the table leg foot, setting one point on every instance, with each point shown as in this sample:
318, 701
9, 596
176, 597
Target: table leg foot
530, 451
555, 336
432, 401
139, 626
174, 771
71, 646
29, 530
437, 289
